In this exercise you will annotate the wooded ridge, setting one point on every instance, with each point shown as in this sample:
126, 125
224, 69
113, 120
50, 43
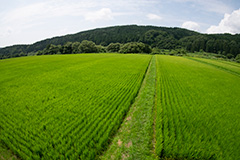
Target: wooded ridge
155, 37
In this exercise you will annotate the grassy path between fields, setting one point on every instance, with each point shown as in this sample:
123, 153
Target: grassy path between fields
6, 154
237, 73
134, 140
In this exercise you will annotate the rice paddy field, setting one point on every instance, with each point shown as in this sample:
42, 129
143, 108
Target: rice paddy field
198, 110
87, 106
66, 107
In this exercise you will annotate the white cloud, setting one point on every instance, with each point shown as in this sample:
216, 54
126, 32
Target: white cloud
102, 14
229, 24
26, 21
191, 25
47, 18
34, 13
216, 6
25, 14
153, 17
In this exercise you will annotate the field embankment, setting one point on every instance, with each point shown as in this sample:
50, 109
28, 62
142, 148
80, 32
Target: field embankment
230, 67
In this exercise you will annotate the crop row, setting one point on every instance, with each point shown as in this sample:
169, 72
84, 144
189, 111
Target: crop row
230, 67
197, 110
69, 111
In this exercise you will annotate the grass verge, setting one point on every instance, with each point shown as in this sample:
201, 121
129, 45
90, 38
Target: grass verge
6, 154
134, 138
220, 65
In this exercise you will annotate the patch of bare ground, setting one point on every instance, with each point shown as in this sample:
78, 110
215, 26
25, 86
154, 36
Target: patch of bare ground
125, 156
119, 142
129, 144
129, 118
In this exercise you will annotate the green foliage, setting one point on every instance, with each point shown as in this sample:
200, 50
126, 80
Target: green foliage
23, 54
66, 48
88, 47
160, 37
155, 37
113, 47
237, 58
53, 49
29, 54
229, 55
75, 47
101, 49
156, 51
207, 55
134, 47
178, 52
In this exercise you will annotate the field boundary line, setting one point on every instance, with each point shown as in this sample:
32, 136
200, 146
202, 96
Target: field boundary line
216, 66
229, 63
154, 111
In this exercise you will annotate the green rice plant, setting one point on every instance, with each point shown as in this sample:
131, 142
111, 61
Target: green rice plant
69, 107
134, 138
197, 110
231, 67
66, 106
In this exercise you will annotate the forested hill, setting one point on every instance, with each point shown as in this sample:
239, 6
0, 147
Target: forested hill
159, 37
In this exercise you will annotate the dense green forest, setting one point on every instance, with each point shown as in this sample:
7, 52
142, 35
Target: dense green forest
122, 40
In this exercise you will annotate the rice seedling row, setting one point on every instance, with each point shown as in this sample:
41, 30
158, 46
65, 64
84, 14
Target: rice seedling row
197, 110
69, 106
231, 67
72, 107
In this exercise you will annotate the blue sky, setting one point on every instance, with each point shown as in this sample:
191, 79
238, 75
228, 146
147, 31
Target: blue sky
28, 21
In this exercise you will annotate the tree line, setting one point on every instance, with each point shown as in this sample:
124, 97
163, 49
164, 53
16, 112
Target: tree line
156, 37
90, 47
